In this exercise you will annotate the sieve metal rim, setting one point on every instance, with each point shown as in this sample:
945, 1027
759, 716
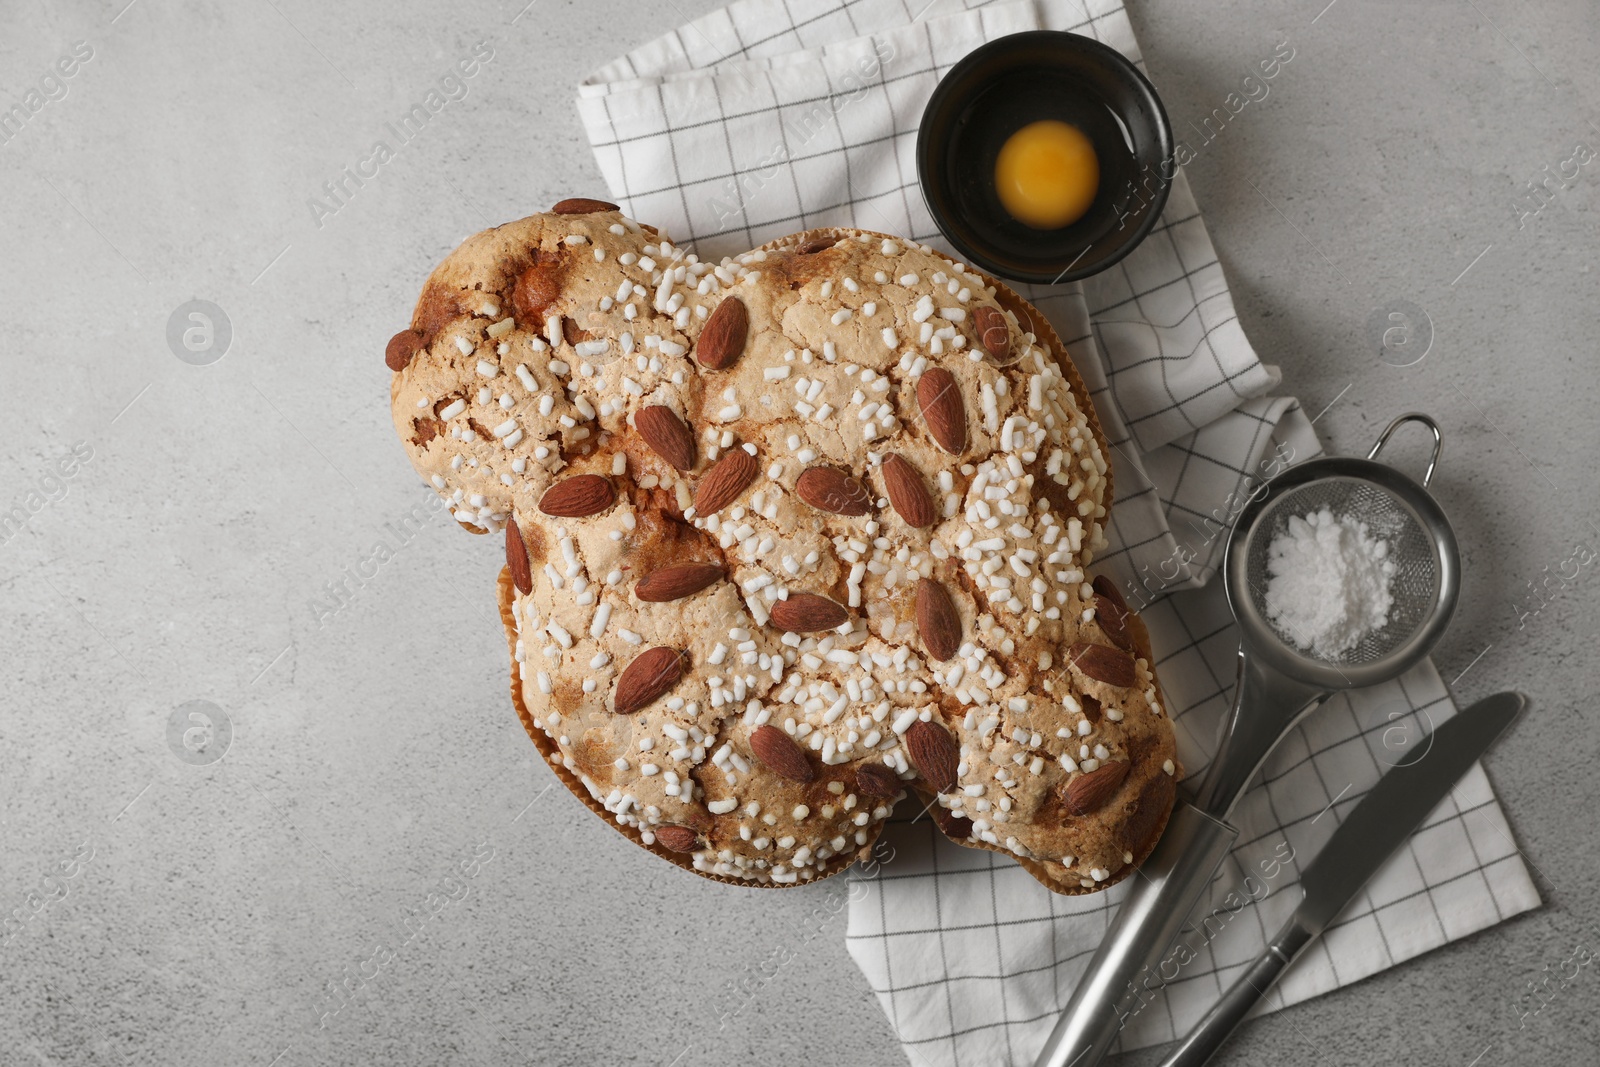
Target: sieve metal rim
1256, 633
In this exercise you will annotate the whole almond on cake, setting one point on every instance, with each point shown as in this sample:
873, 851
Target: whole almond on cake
796, 533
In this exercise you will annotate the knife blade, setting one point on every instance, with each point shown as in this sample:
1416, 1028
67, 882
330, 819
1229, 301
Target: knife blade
1363, 843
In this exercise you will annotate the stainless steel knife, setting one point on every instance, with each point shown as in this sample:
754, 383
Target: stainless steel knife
1366, 838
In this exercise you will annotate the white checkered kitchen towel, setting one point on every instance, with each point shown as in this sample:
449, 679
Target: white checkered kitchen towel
772, 116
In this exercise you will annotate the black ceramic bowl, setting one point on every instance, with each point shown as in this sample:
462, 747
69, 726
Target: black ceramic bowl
1011, 82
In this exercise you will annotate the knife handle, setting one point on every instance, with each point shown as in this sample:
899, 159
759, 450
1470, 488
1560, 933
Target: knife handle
1161, 895
1225, 1016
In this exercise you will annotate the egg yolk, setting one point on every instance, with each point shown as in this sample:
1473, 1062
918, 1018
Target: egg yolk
1047, 174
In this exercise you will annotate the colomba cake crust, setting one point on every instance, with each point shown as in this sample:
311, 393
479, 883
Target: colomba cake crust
791, 538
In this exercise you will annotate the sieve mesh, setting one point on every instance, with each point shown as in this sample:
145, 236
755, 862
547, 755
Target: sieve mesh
1414, 587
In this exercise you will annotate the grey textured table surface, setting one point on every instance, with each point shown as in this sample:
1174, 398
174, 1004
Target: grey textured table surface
166, 912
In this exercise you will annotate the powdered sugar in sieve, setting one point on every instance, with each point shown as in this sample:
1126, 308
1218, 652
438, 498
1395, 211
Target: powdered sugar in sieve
1329, 582
1365, 584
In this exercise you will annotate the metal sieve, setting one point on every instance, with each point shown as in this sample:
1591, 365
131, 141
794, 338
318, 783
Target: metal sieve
1396, 510
1278, 684
1414, 586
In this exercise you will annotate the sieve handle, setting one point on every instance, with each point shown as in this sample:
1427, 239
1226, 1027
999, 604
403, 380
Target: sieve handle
1130, 966
1426, 420
1176, 875
1266, 704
